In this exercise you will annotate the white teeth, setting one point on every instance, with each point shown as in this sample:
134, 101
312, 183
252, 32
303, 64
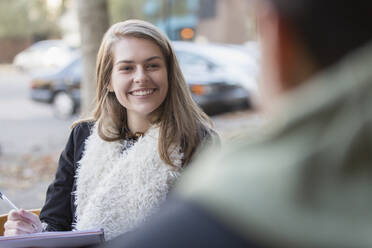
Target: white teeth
142, 92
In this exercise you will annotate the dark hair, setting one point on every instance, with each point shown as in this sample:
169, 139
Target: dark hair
328, 28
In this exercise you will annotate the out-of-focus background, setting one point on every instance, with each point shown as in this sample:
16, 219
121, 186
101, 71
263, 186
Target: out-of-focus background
42, 71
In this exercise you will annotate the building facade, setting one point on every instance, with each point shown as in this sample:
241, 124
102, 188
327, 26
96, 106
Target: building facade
226, 21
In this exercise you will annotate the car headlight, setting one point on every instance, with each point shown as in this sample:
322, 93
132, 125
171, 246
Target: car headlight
40, 84
203, 89
198, 89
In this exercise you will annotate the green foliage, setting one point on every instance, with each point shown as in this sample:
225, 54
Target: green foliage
31, 18
179, 8
26, 18
121, 10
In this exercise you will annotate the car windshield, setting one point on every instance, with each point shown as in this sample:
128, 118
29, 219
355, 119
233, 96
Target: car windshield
230, 55
243, 57
48, 43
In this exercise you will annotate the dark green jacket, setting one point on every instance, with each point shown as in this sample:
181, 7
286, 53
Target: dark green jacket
308, 181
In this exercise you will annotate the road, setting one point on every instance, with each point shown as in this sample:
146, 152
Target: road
24, 124
31, 139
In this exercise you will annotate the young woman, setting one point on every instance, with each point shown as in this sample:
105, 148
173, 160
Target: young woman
118, 167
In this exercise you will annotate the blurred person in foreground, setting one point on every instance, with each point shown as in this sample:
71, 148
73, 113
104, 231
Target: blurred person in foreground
306, 181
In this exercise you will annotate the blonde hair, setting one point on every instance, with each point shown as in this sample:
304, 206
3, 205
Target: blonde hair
180, 120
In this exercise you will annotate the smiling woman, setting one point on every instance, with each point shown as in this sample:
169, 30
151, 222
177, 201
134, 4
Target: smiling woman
119, 166
139, 79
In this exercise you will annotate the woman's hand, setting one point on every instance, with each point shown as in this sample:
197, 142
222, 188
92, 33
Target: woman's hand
22, 222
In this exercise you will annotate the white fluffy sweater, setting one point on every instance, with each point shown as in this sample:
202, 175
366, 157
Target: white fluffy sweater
116, 189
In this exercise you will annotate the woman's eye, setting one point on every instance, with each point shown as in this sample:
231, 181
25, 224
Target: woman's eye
152, 66
125, 68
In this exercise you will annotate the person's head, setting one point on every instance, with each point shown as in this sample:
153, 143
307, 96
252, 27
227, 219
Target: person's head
303, 37
138, 74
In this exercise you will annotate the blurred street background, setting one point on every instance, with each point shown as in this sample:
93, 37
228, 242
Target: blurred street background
43, 74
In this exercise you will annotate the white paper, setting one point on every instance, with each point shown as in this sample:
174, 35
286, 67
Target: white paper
54, 239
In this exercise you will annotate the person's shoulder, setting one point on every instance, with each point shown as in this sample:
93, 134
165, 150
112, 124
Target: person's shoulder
82, 129
83, 125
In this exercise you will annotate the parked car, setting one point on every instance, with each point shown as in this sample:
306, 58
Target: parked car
60, 88
234, 65
46, 55
216, 84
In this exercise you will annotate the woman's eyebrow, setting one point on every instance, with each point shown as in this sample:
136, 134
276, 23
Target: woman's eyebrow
124, 61
131, 61
152, 58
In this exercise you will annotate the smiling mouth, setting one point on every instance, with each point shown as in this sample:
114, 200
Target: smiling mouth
142, 92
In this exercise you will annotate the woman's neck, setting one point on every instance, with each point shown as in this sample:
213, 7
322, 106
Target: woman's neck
137, 123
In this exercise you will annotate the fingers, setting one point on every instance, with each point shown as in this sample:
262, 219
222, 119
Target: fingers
33, 218
22, 222
18, 227
14, 215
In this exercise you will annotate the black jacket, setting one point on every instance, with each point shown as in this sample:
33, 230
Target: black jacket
59, 209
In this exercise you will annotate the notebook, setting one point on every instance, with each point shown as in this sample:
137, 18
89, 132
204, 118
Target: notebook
54, 239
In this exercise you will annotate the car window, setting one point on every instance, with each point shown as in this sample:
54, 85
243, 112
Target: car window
190, 59
193, 63
231, 55
76, 70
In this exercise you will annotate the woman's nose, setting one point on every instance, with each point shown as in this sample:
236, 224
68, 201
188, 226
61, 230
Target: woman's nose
140, 75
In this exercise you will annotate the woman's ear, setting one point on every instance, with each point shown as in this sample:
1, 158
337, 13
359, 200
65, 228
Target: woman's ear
284, 63
294, 60
268, 29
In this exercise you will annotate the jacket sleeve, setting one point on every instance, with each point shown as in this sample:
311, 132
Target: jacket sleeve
199, 228
57, 212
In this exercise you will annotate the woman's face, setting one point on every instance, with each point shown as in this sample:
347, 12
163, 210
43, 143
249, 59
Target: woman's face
139, 76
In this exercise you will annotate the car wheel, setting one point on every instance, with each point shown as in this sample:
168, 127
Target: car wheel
63, 105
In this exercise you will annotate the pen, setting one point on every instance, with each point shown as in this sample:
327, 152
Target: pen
3, 197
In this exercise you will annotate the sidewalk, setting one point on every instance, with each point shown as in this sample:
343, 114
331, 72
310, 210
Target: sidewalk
25, 178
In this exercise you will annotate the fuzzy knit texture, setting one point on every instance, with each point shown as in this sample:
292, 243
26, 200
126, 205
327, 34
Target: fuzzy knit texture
118, 189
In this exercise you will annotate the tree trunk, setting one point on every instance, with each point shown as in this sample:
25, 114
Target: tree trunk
93, 23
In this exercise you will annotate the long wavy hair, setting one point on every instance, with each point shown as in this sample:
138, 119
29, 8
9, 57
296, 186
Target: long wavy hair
179, 118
